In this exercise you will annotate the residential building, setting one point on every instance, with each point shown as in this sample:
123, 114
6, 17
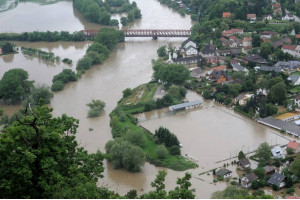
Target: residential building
197, 73
242, 99
267, 68
208, 51
269, 170
276, 5
238, 67
219, 68
188, 60
191, 51
277, 11
251, 17
188, 43
247, 41
254, 58
226, 14
277, 179
269, 34
297, 100
288, 16
277, 152
291, 49
295, 146
219, 76
290, 66
246, 50
225, 173
267, 17
248, 179
295, 79
245, 163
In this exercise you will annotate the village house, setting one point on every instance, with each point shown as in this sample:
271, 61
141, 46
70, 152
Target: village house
209, 51
254, 58
269, 34
219, 76
291, 49
269, 170
277, 179
188, 43
243, 98
295, 146
247, 41
297, 101
288, 16
277, 43
189, 47
238, 67
267, 17
289, 66
295, 79
251, 17
197, 73
248, 179
191, 51
228, 33
226, 14
277, 152
267, 68
246, 50
277, 11
225, 173
188, 60
244, 163
233, 62
219, 68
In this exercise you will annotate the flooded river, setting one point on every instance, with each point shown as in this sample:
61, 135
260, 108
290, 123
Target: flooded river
208, 134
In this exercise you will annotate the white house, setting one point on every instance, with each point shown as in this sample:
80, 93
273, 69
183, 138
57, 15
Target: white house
191, 51
277, 152
291, 49
297, 101
238, 67
267, 17
288, 16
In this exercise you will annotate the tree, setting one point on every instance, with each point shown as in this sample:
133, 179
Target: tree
96, 107
84, 63
99, 48
259, 172
127, 92
241, 155
50, 163
124, 21
109, 37
7, 47
161, 151
263, 153
136, 138
278, 93
265, 49
162, 51
183, 191
295, 167
15, 86
38, 93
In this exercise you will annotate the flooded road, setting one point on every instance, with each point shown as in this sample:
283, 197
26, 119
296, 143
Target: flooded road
207, 134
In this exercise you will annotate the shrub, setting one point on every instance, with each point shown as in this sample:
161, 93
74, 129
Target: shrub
57, 86
275, 187
175, 150
290, 151
136, 138
233, 182
96, 107
290, 191
161, 151
67, 60
127, 92
84, 63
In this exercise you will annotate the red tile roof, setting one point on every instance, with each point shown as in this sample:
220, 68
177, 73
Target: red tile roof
297, 36
289, 47
276, 5
219, 68
250, 16
226, 14
247, 39
293, 145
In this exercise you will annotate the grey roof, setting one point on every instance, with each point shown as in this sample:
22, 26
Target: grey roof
187, 58
277, 43
279, 124
294, 78
240, 97
187, 41
183, 105
276, 179
255, 58
269, 168
216, 74
238, 67
269, 68
251, 177
288, 65
223, 172
244, 162
197, 72
209, 49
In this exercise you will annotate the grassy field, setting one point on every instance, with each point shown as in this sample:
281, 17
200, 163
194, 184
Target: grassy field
295, 89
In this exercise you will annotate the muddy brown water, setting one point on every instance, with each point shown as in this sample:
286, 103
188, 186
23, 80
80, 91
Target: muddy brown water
207, 134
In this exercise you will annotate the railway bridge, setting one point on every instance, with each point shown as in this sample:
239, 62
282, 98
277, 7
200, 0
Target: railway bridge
154, 33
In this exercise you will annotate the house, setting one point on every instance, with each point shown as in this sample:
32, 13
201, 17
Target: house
208, 51
191, 51
254, 58
267, 17
228, 33
276, 5
267, 68
247, 42
269, 34
295, 146
277, 179
288, 16
242, 99
248, 179
219, 76
225, 173
251, 17
188, 60
288, 66
269, 170
197, 73
291, 49
246, 50
277, 152
277, 43
297, 100
188, 43
226, 14
238, 67
232, 62
245, 163
277, 11
295, 79
219, 68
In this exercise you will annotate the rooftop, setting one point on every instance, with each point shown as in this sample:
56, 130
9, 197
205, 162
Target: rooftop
276, 179
183, 105
287, 115
223, 172
279, 124
293, 145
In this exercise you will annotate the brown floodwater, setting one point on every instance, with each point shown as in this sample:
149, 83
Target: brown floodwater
207, 134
